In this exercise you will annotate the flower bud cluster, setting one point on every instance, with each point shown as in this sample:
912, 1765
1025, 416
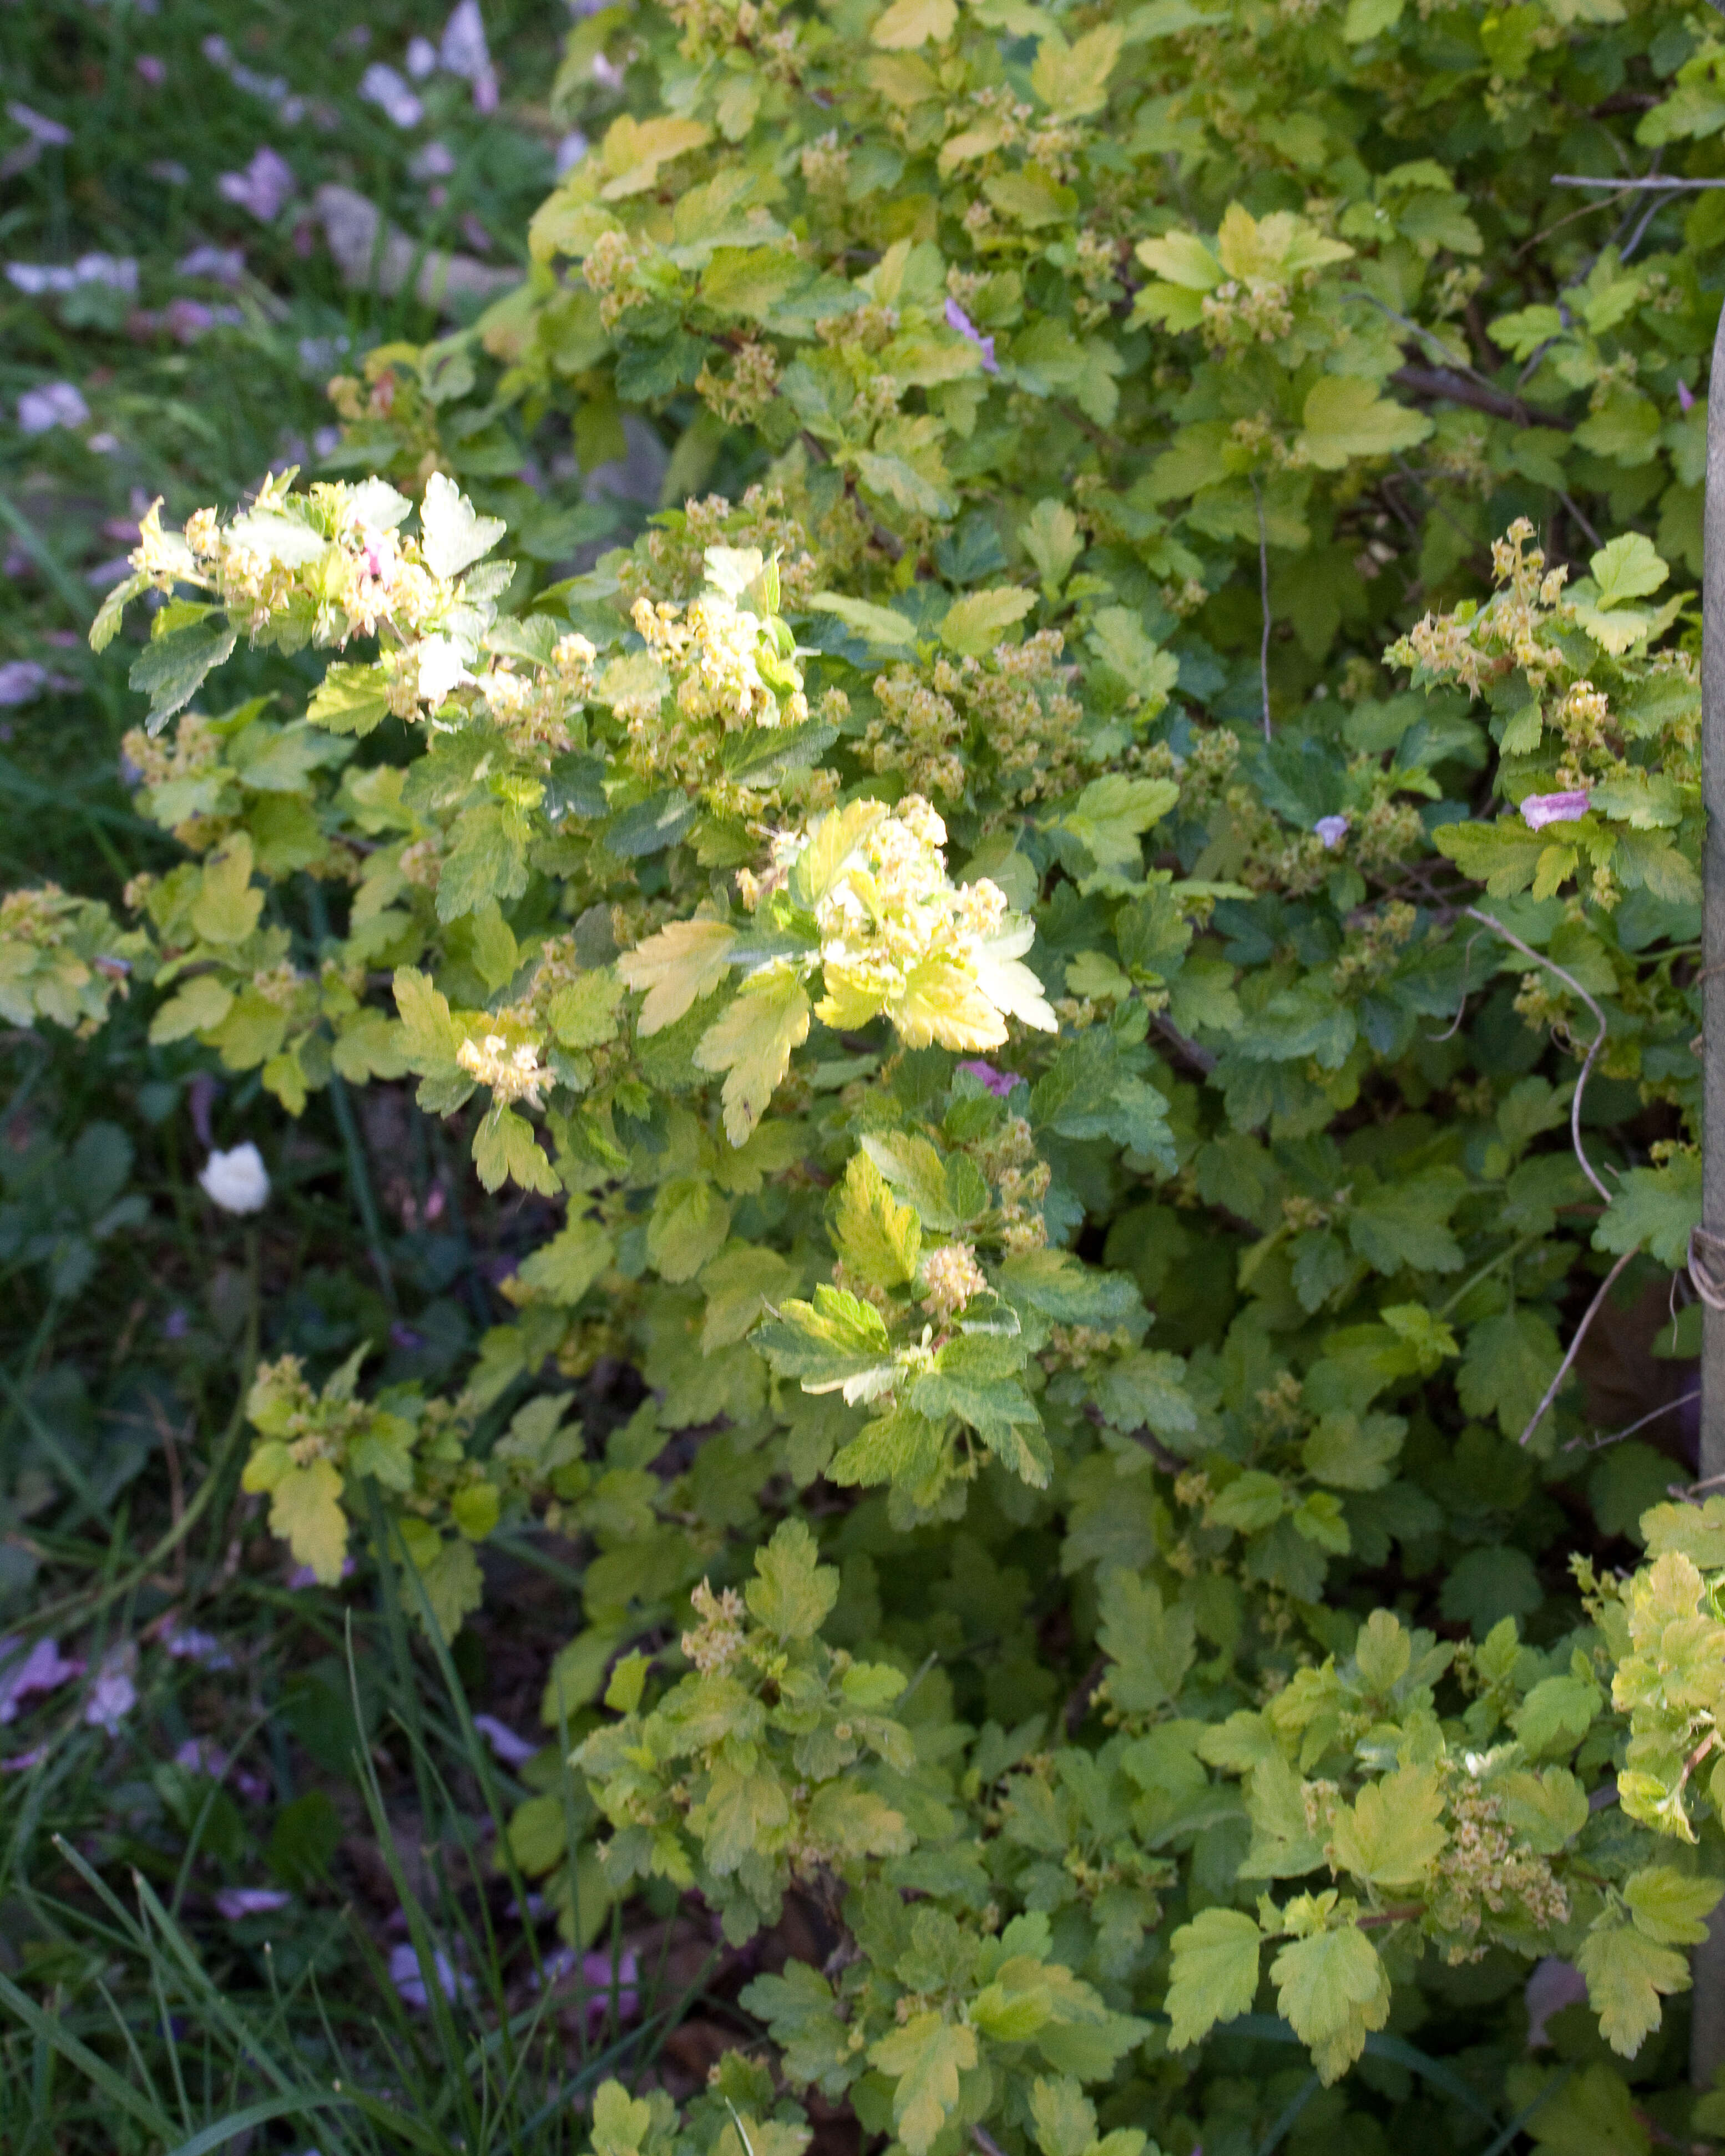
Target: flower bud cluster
951, 1277
512, 1073
742, 396
950, 725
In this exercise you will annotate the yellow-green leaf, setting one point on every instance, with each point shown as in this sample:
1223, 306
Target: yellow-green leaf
752, 1043
306, 1511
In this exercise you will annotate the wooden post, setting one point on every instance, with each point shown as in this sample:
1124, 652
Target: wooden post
1706, 2052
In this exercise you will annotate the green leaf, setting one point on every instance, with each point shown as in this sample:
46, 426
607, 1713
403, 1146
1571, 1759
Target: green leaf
975, 623
1063, 2117
1215, 1974
1654, 1210
740, 1810
686, 961
504, 1150
1345, 417
1627, 567
1250, 1503
926, 2055
1588, 2113
1117, 637
1152, 1648
1391, 1835
1053, 541
432, 1038
1143, 1389
1353, 1452
879, 1240
903, 27
1671, 1907
836, 1344
487, 860
1334, 1990
199, 1007
751, 1043
1509, 1360
566, 1266
1110, 812
1073, 79
688, 1225
792, 1592
875, 624
1627, 1975
171, 670
832, 839
1556, 1714
1369, 18
228, 905
452, 533
350, 699
305, 1512
799, 2010
105, 627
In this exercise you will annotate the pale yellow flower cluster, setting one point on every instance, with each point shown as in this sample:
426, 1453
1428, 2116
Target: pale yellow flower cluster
1244, 311
1485, 1869
942, 961
951, 1278
1008, 1158
609, 271
712, 651
740, 398
513, 1073
533, 710
716, 1642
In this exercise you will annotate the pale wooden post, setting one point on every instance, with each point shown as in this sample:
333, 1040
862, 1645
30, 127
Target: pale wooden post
1707, 2052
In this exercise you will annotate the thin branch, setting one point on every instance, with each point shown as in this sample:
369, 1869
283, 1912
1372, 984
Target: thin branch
1569, 981
1451, 1030
1446, 382
1200, 1059
1593, 1312
1599, 1444
1264, 601
1658, 182
1570, 505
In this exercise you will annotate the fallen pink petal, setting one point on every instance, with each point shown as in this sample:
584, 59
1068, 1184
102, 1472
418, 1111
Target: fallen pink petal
115, 1693
233, 1903
1000, 1083
201, 1755
263, 188
382, 86
54, 404
186, 1643
1539, 809
408, 1977
957, 319
44, 1669
512, 1750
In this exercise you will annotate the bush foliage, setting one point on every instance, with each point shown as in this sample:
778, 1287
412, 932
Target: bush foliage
1085, 956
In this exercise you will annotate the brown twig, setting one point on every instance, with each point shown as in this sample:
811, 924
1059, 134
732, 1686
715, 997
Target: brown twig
1200, 1059
1593, 1312
1446, 381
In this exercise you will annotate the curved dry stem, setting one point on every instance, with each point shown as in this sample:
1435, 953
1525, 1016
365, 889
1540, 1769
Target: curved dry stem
1569, 981
1581, 1330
